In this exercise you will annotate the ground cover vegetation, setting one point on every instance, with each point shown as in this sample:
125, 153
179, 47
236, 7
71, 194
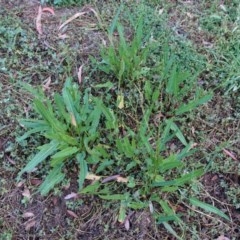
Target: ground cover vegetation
136, 112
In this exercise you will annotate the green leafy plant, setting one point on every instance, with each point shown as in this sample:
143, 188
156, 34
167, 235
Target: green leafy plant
71, 124
148, 176
151, 172
82, 131
135, 168
125, 59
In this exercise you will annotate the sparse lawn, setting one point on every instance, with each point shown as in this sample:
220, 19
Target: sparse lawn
119, 121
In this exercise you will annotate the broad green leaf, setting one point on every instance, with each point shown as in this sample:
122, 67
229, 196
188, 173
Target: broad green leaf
175, 79
46, 151
91, 189
111, 121
54, 177
168, 61
144, 134
33, 123
103, 150
108, 85
94, 119
122, 212
61, 108
165, 207
137, 205
169, 189
164, 183
83, 169
155, 95
131, 165
106, 163
62, 155
131, 182
122, 69
48, 115
148, 91
67, 138
165, 135
125, 147
61, 137
65, 152
68, 100
86, 98
138, 35
94, 153
208, 208
172, 82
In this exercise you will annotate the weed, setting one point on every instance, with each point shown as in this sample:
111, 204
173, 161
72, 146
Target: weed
145, 163
125, 59
83, 131
71, 125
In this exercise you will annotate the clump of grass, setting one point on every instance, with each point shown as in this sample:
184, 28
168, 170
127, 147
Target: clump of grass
131, 165
132, 168
71, 125
123, 59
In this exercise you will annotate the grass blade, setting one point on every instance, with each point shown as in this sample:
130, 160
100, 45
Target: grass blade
68, 99
115, 20
62, 155
37, 93
91, 189
54, 177
83, 169
170, 163
30, 132
189, 177
178, 133
45, 151
61, 108
208, 208
48, 115
193, 104
113, 197
180, 181
169, 213
162, 219
171, 230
